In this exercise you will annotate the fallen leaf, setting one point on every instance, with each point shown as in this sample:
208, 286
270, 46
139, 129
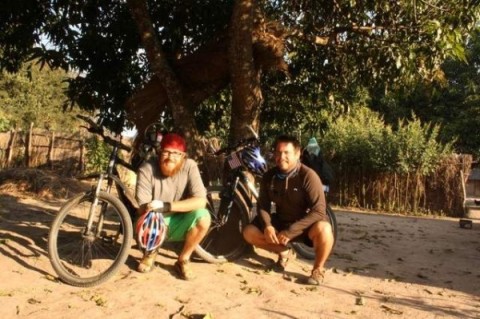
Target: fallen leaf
422, 276
179, 311
182, 301
359, 301
33, 301
391, 310
51, 278
287, 277
99, 300
253, 290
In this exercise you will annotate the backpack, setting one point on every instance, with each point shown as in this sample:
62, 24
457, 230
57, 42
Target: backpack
319, 165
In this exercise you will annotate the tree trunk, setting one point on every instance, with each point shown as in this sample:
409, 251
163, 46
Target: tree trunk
206, 71
244, 76
252, 45
203, 73
177, 101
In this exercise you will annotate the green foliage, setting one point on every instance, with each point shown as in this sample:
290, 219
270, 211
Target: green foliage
213, 116
364, 42
360, 140
36, 96
4, 122
418, 147
98, 154
453, 102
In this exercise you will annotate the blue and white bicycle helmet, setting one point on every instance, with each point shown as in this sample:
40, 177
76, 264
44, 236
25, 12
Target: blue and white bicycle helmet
253, 160
151, 230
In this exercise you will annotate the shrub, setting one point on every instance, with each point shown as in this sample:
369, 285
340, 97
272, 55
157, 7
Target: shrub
98, 154
360, 139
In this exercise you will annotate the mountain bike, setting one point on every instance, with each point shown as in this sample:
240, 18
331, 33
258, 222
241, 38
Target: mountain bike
90, 238
231, 206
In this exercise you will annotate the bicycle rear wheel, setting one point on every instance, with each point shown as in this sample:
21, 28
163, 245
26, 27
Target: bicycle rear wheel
307, 251
224, 241
83, 257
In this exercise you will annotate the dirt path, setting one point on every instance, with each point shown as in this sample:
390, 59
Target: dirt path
382, 267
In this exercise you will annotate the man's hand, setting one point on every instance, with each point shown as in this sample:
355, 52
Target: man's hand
282, 238
270, 235
158, 206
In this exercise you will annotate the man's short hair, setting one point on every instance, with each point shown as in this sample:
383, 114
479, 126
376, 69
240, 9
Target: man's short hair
287, 139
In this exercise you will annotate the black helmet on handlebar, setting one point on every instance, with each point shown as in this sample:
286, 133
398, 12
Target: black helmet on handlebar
154, 134
253, 160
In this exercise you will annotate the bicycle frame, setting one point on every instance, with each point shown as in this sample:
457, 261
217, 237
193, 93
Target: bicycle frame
111, 175
237, 180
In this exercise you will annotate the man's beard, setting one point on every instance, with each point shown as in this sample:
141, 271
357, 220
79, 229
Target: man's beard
167, 171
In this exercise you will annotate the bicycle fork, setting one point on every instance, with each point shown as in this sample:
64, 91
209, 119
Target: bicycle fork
226, 200
228, 194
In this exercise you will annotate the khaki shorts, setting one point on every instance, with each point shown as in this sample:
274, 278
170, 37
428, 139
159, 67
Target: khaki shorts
181, 223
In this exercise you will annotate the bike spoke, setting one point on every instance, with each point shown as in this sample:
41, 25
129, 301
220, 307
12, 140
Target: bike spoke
81, 253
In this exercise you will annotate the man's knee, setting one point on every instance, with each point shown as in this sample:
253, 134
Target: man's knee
320, 230
249, 232
203, 220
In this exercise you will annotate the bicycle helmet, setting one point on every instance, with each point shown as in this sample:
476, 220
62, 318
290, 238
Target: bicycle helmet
154, 134
151, 230
253, 160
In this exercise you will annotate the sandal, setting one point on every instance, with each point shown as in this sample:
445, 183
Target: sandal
182, 267
148, 262
283, 260
317, 276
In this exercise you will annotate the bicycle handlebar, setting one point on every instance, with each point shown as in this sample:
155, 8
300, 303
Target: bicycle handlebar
96, 129
242, 142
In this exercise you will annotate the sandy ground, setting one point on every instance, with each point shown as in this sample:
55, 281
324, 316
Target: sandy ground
382, 267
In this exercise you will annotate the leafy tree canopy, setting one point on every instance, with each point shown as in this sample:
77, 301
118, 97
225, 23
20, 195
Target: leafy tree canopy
38, 97
453, 102
329, 46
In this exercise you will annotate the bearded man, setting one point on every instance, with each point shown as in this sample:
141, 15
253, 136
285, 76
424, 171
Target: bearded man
172, 185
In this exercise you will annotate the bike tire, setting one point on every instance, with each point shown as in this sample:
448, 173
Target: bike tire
224, 243
307, 251
86, 261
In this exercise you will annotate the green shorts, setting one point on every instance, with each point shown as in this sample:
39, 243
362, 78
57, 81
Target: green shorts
180, 224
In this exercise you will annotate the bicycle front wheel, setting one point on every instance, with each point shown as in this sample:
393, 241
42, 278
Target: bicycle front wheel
84, 255
307, 251
224, 241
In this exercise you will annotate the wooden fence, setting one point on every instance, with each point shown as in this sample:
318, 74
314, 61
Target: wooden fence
62, 152
440, 192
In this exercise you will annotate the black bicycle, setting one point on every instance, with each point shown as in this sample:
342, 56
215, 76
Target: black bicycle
90, 238
231, 206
